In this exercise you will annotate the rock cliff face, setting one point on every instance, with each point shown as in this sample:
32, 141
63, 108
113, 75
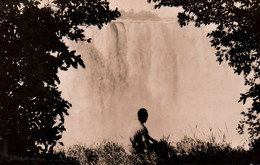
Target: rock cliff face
169, 70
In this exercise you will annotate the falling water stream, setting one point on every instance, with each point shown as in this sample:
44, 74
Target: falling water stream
169, 70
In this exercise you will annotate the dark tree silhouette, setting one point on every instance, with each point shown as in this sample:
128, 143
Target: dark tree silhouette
33, 49
236, 39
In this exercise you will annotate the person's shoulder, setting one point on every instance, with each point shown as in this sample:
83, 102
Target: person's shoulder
141, 126
144, 128
136, 125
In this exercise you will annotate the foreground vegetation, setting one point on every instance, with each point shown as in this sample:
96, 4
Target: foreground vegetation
190, 150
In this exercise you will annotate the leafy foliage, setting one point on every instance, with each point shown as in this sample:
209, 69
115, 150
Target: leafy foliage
236, 39
33, 49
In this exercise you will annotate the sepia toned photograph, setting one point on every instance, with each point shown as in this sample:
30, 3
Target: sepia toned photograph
129, 82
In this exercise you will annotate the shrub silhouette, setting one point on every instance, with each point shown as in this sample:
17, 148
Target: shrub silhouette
32, 52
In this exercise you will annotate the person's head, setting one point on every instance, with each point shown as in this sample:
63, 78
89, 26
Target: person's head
142, 115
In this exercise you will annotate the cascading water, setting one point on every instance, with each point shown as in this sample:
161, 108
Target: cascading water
169, 70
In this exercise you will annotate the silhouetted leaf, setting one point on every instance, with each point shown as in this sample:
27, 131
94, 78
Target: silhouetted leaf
63, 68
61, 143
89, 40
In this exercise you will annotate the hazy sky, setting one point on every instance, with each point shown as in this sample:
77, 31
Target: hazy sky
138, 5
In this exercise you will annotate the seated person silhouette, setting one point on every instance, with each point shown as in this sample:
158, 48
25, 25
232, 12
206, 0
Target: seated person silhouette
139, 137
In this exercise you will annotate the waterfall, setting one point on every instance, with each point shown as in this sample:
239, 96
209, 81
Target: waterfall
157, 65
